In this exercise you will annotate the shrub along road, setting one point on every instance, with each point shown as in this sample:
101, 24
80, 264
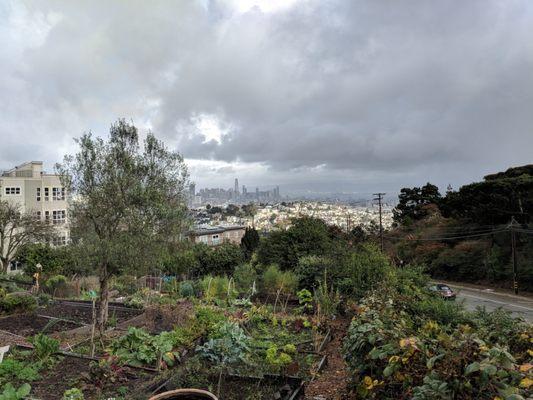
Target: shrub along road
520, 306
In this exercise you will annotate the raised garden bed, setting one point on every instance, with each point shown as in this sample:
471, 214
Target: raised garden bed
82, 312
30, 324
72, 371
234, 386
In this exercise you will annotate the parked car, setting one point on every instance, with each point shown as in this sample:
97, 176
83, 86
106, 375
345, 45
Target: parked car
444, 291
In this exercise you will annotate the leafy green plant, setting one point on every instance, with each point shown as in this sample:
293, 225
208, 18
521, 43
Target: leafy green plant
218, 287
44, 347
17, 303
245, 279
305, 299
186, 289
227, 345
139, 348
73, 394
275, 281
138, 299
9, 392
209, 318
327, 299
279, 359
12, 370
242, 303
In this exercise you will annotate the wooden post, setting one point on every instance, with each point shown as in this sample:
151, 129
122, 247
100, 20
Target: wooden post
93, 326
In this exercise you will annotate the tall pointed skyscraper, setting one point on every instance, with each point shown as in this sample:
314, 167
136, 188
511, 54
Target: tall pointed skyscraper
236, 188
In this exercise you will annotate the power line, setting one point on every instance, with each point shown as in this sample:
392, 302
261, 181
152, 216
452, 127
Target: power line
449, 237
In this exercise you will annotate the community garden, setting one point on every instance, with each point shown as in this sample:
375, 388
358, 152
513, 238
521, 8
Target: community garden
127, 310
253, 336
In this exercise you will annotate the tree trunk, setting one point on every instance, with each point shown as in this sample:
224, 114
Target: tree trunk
5, 265
103, 301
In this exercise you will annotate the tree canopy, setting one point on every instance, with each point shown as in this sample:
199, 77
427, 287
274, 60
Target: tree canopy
412, 202
127, 201
18, 229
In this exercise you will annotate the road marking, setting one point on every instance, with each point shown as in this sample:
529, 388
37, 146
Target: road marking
496, 301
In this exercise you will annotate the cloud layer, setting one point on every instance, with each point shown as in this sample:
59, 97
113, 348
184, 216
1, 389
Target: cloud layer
348, 95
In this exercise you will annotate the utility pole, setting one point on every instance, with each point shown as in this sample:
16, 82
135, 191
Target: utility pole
513, 250
379, 198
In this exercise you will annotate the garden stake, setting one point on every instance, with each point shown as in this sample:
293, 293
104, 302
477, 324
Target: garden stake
277, 297
93, 327
286, 303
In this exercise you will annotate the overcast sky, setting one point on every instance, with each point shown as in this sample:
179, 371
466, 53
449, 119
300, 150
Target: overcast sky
314, 95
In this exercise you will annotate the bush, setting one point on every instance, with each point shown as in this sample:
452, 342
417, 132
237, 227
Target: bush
12, 370
186, 289
124, 284
363, 271
88, 283
218, 287
54, 260
434, 308
218, 260
56, 282
17, 303
311, 269
395, 349
327, 299
44, 347
275, 280
307, 236
245, 277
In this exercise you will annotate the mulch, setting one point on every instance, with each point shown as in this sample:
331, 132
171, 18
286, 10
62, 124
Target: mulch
332, 381
83, 314
30, 324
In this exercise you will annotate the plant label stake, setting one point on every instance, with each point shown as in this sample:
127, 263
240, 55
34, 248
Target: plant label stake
3, 350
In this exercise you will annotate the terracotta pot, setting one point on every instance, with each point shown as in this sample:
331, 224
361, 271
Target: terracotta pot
185, 394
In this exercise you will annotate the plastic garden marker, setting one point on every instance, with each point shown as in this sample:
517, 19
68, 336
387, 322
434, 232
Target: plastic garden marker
3, 350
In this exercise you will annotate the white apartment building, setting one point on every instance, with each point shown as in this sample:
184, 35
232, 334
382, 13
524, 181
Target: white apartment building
39, 193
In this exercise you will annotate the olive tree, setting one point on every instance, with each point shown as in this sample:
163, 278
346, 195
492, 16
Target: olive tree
127, 202
18, 229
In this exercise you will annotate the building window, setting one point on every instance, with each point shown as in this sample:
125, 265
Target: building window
38, 194
38, 215
215, 239
203, 239
59, 240
46, 194
15, 266
12, 191
59, 217
47, 216
58, 193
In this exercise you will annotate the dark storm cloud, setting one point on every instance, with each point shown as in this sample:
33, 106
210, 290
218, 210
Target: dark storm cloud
432, 90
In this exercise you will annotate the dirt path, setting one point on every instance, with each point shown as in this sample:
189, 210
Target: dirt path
331, 383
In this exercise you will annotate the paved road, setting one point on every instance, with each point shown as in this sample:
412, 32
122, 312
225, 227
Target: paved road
520, 306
